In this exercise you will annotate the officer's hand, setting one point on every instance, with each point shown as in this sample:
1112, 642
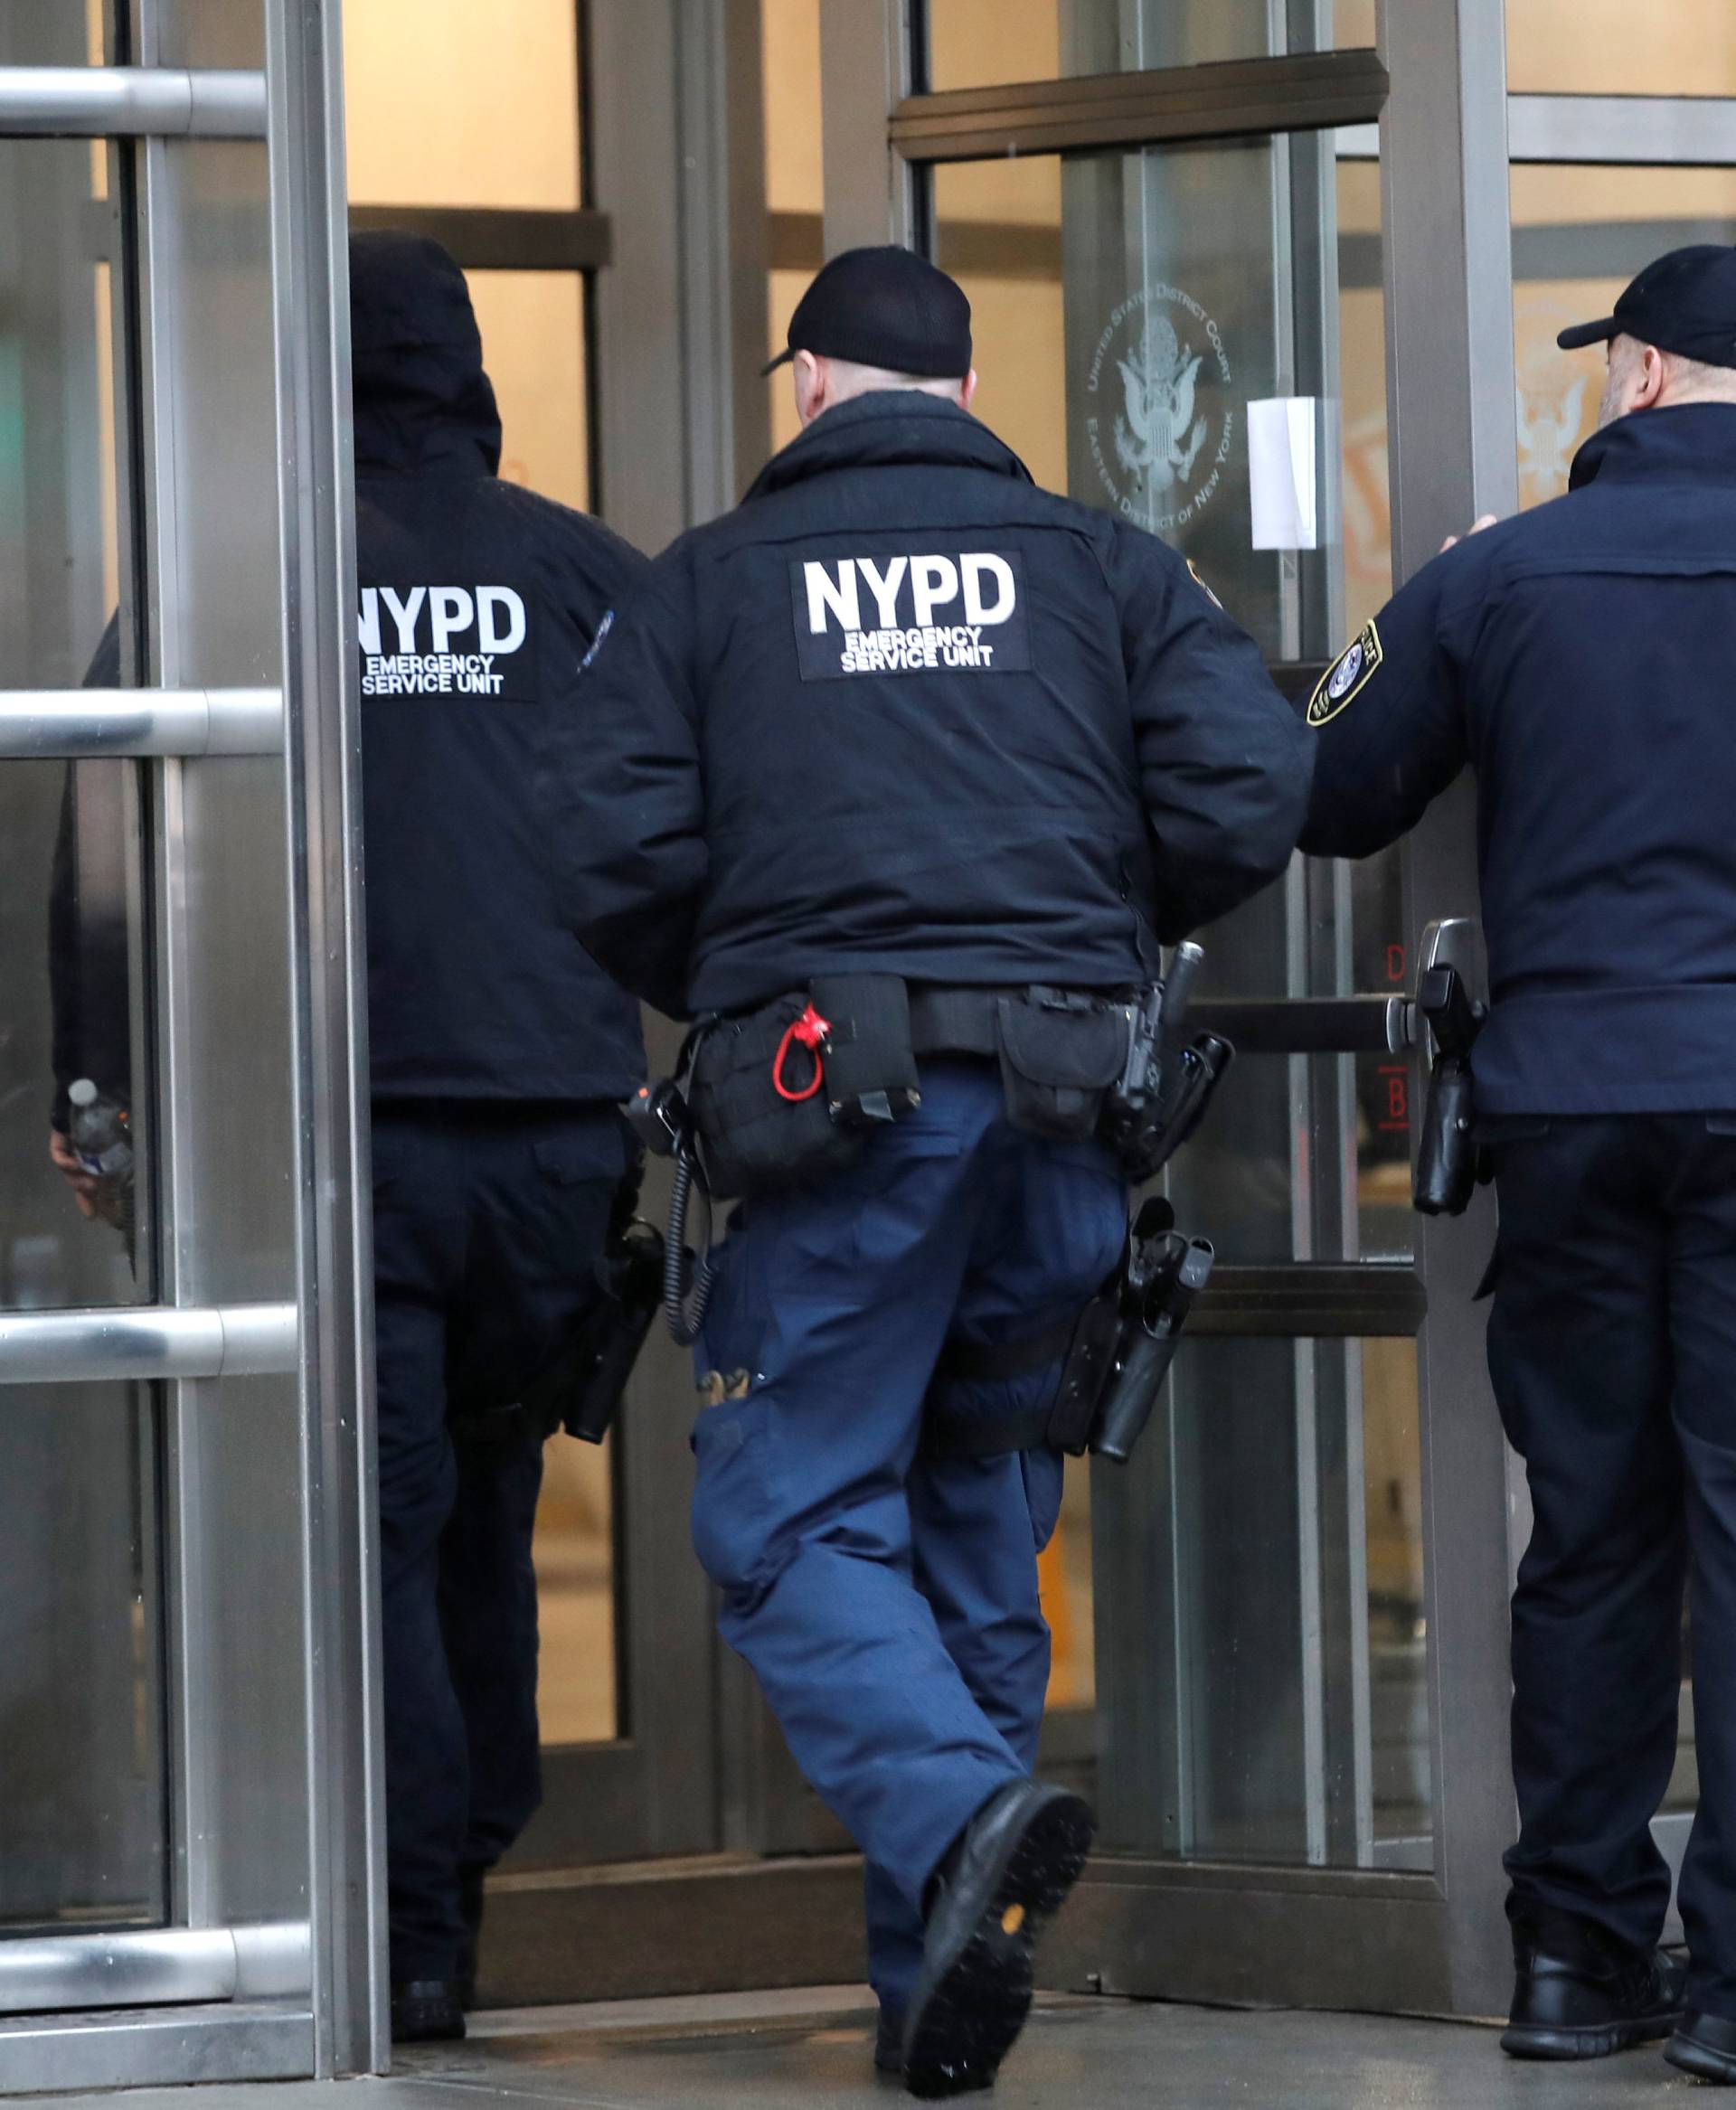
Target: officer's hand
82, 1183
1475, 528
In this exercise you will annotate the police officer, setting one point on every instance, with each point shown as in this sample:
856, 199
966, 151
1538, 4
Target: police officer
498, 1050
904, 714
1579, 659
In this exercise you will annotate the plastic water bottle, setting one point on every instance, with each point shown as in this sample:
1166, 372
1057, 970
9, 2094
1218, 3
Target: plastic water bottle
101, 1139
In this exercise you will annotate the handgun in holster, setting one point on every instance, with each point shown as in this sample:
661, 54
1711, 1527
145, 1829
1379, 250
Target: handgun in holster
1166, 1083
581, 1391
1161, 1274
1114, 1356
1449, 1162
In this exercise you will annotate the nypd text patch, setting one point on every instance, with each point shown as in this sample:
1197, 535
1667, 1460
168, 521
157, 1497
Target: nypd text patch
1347, 676
921, 612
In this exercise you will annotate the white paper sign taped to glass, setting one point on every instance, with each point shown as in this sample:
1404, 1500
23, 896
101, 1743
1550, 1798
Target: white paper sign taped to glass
1283, 479
907, 612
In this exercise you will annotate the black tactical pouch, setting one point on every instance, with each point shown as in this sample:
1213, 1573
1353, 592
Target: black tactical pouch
1059, 1051
756, 1139
870, 1064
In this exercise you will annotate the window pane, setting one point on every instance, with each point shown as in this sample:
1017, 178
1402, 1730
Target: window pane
1065, 1574
82, 1837
532, 326
452, 104
1261, 1682
574, 1553
1128, 307
979, 44
795, 180
1153, 271
1578, 235
71, 912
998, 231
1599, 47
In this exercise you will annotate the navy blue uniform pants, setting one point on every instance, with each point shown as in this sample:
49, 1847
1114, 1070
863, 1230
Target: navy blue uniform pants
488, 1219
1612, 1348
888, 1603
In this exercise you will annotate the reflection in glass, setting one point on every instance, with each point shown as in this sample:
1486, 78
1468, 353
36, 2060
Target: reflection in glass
1262, 1658
82, 1787
69, 989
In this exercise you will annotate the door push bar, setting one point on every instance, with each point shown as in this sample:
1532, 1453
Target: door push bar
161, 1340
121, 102
79, 724
155, 1966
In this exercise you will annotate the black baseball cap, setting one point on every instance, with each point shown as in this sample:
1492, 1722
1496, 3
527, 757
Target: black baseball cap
1684, 303
884, 307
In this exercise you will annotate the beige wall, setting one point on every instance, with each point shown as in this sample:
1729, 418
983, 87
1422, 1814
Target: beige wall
453, 104
439, 114
1614, 47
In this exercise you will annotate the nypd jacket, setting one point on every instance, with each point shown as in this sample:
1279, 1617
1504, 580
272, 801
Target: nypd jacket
479, 599
1578, 657
905, 711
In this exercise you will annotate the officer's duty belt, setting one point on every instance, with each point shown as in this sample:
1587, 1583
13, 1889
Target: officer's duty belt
955, 1021
978, 1362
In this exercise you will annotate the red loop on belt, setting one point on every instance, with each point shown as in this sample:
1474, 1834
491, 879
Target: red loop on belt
810, 1030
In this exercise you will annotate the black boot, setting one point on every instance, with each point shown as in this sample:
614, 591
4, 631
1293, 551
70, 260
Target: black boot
1579, 1993
1003, 1881
1705, 2047
888, 2041
426, 2011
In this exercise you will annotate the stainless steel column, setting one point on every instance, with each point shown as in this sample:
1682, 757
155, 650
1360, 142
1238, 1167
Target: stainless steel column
1454, 455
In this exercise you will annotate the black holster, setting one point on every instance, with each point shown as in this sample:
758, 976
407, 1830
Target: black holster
1449, 1161
1117, 1352
581, 1391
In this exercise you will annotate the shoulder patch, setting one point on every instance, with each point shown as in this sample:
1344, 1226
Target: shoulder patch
1194, 573
1348, 675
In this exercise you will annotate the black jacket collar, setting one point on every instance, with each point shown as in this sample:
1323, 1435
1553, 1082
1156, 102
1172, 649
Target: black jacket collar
892, 429
1683, 440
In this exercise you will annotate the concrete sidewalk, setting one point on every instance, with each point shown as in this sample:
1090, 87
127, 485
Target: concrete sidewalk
810, 2050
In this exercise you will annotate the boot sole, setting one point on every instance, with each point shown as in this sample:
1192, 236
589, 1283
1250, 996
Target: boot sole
1587, 2039
963, 2028
1701, 2060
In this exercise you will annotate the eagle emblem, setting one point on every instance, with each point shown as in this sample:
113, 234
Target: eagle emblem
1158, 435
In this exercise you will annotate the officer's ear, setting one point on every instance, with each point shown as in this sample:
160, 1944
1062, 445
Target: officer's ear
967, 389
1652, 379
810, 377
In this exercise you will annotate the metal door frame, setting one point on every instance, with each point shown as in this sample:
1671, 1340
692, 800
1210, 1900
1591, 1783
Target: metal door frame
272, 1963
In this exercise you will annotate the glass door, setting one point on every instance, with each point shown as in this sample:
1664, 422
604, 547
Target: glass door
1178, 226
625, 1756
187, 1773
